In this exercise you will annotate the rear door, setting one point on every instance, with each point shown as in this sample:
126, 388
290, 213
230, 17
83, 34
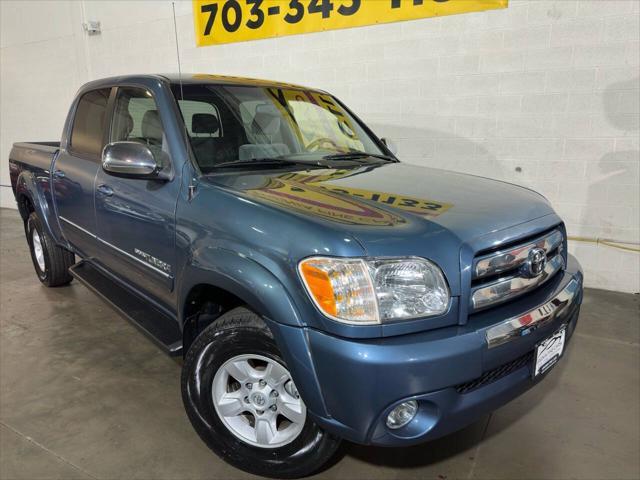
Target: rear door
75, 171
136, 217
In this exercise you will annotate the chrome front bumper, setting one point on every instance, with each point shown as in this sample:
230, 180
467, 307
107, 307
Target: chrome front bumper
528, 322
364, 379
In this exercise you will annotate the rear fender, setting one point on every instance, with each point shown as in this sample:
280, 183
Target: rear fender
27, 185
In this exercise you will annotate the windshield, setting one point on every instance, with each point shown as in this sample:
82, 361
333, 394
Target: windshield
231, 123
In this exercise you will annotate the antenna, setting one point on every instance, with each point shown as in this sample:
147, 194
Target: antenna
175, 31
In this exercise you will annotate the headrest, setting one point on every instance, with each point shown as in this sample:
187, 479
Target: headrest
266, 120
151, 126
125, 126
205, 123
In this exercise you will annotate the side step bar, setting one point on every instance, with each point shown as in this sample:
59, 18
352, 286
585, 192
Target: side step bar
160, 327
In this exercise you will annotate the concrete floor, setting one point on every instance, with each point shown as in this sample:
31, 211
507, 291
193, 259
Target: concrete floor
84, 395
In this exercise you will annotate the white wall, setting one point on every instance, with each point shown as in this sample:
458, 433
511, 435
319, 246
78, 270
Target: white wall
544, 93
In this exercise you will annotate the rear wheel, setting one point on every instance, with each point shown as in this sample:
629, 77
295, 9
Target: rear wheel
50, 261
242, 401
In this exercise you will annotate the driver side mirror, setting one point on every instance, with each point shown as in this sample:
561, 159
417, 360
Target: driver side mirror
130, 159
391, 145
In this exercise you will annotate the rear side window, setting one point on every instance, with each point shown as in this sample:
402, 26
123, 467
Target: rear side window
89, 122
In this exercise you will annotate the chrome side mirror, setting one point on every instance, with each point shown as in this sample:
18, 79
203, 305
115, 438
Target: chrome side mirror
130, 159
391, 145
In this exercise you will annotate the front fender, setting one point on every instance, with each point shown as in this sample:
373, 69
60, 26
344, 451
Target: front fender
245, 278
265, 294
28, 185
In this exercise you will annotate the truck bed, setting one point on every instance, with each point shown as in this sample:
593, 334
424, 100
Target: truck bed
36, 154
35, 157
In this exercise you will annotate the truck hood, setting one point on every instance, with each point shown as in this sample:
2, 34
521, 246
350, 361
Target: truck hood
390, 210
377, 203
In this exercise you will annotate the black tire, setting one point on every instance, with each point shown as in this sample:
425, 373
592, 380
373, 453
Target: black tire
239, 332
57, 260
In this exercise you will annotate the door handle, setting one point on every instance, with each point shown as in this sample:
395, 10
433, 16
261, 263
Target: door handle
59, 174
105, 190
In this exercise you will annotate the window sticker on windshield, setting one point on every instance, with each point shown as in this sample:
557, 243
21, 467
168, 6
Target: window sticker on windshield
325, 122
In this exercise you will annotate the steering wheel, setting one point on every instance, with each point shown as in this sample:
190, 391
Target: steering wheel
318, 142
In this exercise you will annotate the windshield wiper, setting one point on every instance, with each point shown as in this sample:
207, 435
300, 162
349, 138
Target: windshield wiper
356, 154
264, 162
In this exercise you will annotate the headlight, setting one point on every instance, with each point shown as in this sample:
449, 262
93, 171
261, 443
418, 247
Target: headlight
409, 288
372, 291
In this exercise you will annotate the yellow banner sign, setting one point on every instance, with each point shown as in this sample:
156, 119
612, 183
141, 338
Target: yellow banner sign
226, 21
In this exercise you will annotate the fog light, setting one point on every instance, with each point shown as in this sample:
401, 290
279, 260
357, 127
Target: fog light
402, 414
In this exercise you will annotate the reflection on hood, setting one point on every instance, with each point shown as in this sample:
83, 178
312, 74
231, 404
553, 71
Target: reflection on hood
313, 194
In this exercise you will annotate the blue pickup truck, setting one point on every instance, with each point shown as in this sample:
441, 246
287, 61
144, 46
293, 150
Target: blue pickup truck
317, 288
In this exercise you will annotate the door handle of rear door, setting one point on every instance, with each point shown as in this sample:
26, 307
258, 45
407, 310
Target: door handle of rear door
105, 190
59, 174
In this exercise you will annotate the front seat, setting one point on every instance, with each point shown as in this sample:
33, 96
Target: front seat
265, 130
124, 126
211, 150
266, 124
152, 128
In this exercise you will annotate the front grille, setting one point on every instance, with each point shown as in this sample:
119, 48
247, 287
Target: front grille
502, 275
495, 374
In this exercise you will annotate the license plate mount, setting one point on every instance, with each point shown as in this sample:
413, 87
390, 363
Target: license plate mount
549, 351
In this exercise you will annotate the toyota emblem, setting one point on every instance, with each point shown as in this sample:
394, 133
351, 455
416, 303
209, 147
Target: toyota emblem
536, 262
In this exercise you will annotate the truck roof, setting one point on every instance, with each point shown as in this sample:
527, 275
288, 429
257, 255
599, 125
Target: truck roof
192, 79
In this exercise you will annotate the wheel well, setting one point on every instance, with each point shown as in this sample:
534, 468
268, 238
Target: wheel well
25, 207
204, 304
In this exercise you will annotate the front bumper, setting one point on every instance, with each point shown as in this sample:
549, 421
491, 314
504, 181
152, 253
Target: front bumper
456, 374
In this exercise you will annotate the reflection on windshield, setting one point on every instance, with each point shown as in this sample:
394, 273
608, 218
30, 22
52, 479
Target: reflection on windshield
228, 123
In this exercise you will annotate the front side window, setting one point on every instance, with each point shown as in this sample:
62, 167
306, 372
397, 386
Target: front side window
87, 133
228, 123
136, 119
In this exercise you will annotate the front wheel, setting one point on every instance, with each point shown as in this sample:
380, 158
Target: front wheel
241, 399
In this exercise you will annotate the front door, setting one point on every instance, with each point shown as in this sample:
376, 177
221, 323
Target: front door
136, 217
75, 171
